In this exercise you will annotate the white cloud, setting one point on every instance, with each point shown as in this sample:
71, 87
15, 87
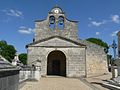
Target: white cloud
97, 33
14, 13
97, 24
25, 30
114, 33
115, 18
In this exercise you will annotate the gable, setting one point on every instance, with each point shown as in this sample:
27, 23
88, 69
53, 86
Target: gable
57, 41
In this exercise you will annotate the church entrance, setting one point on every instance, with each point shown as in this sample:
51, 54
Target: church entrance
56, 64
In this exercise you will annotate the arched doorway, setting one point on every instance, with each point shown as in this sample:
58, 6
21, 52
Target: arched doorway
56, 64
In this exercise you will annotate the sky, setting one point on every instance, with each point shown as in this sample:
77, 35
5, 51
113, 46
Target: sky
97, 18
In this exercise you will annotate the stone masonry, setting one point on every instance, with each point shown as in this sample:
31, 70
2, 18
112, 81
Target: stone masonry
82, 58
9, 75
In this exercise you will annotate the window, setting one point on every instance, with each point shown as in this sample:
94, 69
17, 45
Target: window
52, 22
61, 22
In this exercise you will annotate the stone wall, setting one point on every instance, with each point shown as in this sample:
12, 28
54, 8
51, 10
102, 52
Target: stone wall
9, 80
96, 59
29, 75
75, 59
43, 31
76, 62
92, 61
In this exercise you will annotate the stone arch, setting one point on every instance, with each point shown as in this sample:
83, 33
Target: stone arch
52, 22
56, 63
61, 22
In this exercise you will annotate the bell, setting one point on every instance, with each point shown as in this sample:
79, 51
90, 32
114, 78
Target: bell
61, 22
52, 22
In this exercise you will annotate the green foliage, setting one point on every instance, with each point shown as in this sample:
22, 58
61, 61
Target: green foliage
7, 51
23, 58
99, 42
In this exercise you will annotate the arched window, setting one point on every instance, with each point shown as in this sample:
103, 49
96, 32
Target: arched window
52, 22
61, 22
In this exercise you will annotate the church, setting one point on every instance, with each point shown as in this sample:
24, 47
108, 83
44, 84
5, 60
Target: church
57, 49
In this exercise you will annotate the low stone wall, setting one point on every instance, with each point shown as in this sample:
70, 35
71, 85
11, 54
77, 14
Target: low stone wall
29, 74
9, 79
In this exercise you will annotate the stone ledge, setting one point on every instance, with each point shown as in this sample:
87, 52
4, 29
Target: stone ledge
5, 73
110, 86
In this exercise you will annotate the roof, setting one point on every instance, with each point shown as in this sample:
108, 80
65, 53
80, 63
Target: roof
58, 8
4, 64
63, 38
72, 20
39, 20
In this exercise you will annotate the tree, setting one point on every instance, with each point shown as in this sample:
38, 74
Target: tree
99, 42
2, 45
7, 51
23, 58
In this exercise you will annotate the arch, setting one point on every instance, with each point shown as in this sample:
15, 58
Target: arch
61, 22
56, 63
52, 22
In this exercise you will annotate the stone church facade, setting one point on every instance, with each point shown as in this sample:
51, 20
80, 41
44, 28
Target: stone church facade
58, 50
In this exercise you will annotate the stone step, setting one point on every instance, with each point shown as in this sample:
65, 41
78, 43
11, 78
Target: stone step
113, 83
111, 86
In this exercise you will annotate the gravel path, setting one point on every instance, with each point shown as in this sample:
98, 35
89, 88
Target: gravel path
56, 83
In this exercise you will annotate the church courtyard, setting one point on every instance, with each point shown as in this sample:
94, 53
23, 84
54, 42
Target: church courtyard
56, 83
62, 83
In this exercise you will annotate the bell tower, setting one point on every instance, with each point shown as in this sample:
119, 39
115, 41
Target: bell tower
56, 24
56, 19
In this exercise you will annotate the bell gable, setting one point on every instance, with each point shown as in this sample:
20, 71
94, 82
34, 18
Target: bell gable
56, 23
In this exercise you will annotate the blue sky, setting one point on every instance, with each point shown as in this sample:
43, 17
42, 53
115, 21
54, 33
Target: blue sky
97, 18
